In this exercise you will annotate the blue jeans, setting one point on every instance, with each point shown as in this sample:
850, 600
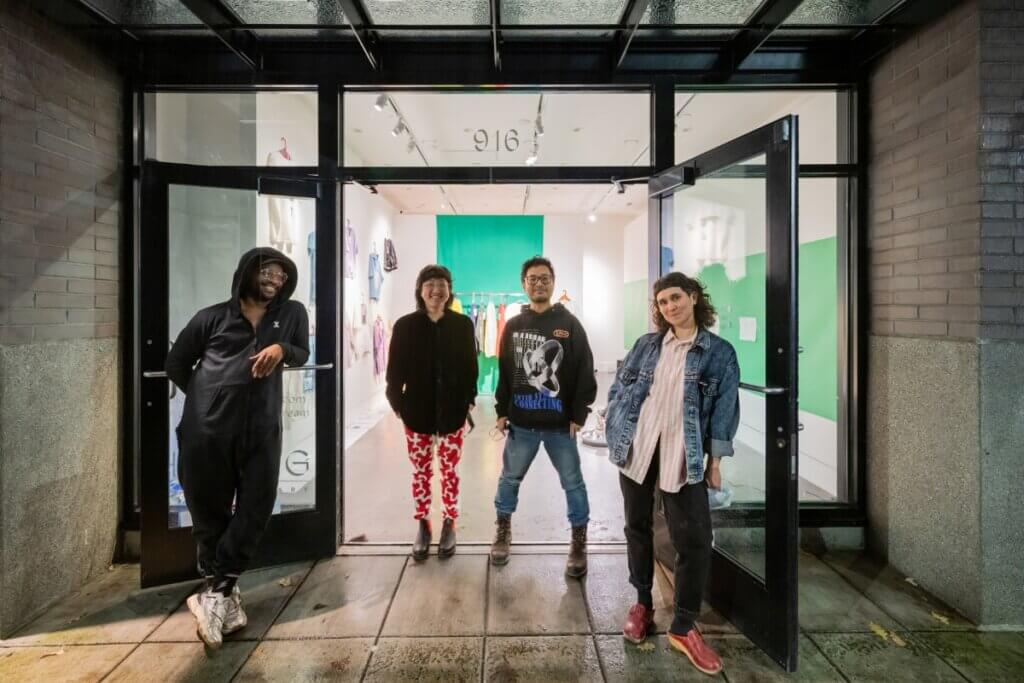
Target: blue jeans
521, 448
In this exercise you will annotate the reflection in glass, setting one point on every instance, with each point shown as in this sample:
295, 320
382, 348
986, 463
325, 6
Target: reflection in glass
667, 12
838, 12
429, 12
209, 229
545, 12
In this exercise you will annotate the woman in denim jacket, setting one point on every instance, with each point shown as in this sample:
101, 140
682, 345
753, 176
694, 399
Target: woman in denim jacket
674, 399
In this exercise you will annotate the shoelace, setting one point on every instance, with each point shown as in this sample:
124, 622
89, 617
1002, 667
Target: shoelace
503, 534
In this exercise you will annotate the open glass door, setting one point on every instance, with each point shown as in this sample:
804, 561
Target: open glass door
728, 217
190, 245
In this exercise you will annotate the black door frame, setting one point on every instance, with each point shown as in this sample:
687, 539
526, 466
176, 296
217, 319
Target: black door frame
765, 611
167, 555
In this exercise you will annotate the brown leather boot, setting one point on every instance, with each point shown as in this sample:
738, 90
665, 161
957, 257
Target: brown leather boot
576, 565
502, 540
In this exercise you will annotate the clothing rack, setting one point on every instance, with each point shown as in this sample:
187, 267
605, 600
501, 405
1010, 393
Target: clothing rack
465, 294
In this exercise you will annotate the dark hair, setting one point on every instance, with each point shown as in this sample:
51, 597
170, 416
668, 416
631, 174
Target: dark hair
703, 311
533, 263
433, 272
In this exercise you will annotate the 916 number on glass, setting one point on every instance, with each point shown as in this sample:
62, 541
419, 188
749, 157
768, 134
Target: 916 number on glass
483, 141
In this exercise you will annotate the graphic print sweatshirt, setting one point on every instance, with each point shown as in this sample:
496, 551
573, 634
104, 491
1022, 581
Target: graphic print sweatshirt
546, 370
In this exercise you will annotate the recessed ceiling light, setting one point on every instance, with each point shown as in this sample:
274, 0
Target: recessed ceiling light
592, 218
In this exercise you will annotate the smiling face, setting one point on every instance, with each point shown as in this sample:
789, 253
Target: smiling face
676, 306
435, 293
267, 281
538, 284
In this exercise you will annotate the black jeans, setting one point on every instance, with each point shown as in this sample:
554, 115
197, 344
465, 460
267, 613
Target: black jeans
689, 525
215, 471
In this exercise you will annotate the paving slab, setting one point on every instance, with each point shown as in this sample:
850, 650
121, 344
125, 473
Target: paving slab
610, 594
341, 597
980, 656
555, 659
531, 595
867, 657
301, 661
110, 609
440, 598
72, 664
264, 593
181, 663
426, 660
652, 661
913, 607
827, 603
745, 662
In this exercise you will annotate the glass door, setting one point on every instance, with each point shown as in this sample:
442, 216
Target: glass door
189, 250
728, 217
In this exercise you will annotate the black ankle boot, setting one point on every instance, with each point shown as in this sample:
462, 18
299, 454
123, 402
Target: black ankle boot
421, 546
446, 546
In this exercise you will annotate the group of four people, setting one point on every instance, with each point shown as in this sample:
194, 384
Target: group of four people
672, 413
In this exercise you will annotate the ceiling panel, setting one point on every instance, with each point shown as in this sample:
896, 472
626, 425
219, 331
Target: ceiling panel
145, 11
666, 12
287, 11
566, 12
839, 11
428, 12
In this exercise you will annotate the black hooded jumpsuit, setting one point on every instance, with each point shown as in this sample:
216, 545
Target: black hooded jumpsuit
229, 439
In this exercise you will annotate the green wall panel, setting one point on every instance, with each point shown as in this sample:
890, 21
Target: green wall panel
636, 311
485, 254
817, 298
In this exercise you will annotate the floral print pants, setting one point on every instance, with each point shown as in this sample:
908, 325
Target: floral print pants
421, 455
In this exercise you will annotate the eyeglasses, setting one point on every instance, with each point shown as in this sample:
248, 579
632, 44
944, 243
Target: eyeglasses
274, 275
538, 280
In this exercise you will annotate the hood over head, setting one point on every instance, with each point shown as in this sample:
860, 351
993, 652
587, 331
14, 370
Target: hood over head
253, 260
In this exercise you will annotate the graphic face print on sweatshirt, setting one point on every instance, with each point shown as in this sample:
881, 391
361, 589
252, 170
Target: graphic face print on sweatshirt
537, 360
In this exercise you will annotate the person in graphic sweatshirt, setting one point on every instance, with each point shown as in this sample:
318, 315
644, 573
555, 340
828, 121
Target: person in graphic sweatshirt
228, 361
545, 387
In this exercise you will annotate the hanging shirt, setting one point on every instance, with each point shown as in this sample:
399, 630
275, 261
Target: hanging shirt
379, 359
481, 318
351, 251
376, 276
311, 250
457, 305
512, 310
490, 331
501, 328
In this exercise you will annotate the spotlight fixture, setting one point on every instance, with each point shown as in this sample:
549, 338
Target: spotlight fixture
592, 218
398, 129
382, 101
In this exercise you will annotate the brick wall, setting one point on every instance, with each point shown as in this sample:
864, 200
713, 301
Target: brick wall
1001, 160
60, 182
946, 179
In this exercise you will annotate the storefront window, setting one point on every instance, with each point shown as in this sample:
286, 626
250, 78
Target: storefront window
497, 129
233, 129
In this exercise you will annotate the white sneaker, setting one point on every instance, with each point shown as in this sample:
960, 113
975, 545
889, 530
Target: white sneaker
210, 609
235, 619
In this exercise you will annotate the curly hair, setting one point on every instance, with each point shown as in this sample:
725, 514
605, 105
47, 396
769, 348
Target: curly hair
703, 311
533, 263
433, 272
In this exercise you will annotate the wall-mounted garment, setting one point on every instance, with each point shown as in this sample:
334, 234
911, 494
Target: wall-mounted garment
457, 305
282, 212
376, 276
309, 376
390, 257
379, 348
351, 251
490, 331
311, 251
501, 328
479, 317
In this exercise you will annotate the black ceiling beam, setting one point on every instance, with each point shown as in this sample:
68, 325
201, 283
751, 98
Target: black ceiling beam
225, 24
496, 32
630, 22
761, 25
359, 20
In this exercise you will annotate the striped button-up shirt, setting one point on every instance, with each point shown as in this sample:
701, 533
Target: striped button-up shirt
661, 420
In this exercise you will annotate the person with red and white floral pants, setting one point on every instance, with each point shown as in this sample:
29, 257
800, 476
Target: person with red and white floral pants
431, 386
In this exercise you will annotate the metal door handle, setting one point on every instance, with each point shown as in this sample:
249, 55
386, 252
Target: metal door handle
154, 374
763, 390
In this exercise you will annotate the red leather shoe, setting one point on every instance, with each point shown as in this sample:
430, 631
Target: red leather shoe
638, 623
699, 652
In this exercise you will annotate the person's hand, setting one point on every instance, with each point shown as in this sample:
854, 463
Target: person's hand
266, 361
501, 424
713, 475
574, 429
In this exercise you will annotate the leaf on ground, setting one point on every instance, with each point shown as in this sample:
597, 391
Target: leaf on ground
897, 641
285, 582
879, 631
52, 654
911, 581
647, 646
940, 618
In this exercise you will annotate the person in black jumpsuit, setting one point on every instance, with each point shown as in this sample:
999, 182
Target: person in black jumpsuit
228, 361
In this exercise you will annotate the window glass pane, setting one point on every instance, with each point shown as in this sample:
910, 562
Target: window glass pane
233, 129
708, 119
209, 230
287, 11
146, 11
838, 11
429, 12
546, 12
666, 12
496, 129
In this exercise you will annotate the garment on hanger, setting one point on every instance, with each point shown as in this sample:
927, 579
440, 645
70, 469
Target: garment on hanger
457, 305
566, 301
501, 328
351, 251
376, 276
311, 251
282, 212
490, 330
481, 315
512, 310
309, 376
379, 359
390, 257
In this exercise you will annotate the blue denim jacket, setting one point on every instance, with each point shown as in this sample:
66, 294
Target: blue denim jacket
711, 404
